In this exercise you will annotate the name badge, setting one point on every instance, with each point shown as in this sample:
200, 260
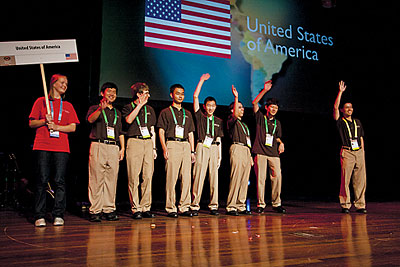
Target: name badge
354, 144
248, 141
269, 139
54, 134
179, 131
110, 132
207, 142
145, 132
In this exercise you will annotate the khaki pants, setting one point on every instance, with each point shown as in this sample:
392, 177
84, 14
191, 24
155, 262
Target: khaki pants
240, 159
178, 165
139, 159
274, 163
353, 168
103, 175
206, 158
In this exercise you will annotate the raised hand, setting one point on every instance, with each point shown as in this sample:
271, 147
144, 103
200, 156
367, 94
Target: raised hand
235, 92
342, 86
205, 77
267, 85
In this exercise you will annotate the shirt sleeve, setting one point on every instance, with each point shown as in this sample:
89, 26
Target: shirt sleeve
152, 119
36, 110
191, 127
126, 110
73, 118
162, 120
91, 110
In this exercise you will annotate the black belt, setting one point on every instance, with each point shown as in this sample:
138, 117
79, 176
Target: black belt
349, 148
177, 139
108, 142
241, 144
213, 142
139, 137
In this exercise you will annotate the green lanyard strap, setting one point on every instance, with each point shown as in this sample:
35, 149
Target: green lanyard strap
212, 126
243, 127
145, 115
173, 114
266, 125
105, 117
348, 128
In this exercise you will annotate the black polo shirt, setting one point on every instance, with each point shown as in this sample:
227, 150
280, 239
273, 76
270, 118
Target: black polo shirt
133, 128
235, 130
201, 126
99, 129
344, 131
259, 146
166, 122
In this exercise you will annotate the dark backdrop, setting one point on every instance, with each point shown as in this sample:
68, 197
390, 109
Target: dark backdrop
310, 164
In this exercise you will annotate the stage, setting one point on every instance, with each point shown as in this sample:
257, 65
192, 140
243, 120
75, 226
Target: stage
311, 233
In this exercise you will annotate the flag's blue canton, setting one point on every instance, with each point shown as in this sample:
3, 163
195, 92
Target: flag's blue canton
164, 9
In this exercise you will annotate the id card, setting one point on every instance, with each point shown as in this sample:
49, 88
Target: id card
207, 142
54, 134
110, 132
354, 144
269, 139
248, 141
145, 132
179, 131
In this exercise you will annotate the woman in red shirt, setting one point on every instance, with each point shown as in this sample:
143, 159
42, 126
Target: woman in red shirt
51, 147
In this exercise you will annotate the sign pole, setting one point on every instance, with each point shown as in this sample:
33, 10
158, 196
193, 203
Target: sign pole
46, 96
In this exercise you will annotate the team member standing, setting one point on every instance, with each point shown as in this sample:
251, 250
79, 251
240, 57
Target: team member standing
352, 157
140, 149
107, 148
176, 137
208, 149
267, 147
51, 147
240, 158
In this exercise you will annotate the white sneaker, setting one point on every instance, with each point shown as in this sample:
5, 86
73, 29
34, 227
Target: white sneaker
58, 221
40, 222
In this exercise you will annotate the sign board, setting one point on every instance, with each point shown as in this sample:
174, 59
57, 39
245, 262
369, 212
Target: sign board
38, 52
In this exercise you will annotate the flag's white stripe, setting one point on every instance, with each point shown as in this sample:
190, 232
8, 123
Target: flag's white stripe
187, 35
187, 45
209, 21
209, 3
206, 11
187, 26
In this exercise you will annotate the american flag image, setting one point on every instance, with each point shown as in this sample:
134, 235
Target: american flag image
71, 56
193, 26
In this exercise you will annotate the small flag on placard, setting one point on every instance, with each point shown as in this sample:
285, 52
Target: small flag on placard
192, 26
70, 56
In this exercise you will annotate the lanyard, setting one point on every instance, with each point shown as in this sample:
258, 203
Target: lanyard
59, 113
266, 125
244, 130
137, 117
106, 120
212, 126
348, 128
173, 114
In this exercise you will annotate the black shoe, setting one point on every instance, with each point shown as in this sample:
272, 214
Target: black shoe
137, 215
259, 210
187, 213
112, 216
195, 213
362, 211
245, 212
95, 217
172, 215
232, 213
345, 210
279, 209
148, 214
214, 212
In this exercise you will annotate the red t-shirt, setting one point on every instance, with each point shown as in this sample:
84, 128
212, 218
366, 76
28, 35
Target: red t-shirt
43, 141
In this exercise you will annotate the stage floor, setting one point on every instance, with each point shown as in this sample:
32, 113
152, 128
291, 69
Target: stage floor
309, 234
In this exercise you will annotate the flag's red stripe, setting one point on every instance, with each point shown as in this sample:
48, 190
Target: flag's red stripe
218, 9
201, 15
202, 24
186, 40
225, 2
187, 50
176, 29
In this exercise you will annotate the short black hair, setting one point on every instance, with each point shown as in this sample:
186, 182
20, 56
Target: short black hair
174, 86
208, 99
272, 101
233, 104
108, 85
